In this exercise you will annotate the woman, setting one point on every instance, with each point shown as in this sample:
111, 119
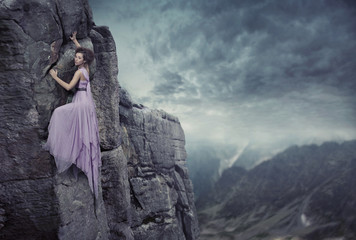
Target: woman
73, 130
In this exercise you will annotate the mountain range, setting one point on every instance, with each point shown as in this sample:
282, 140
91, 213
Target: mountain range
304, 192
207, 160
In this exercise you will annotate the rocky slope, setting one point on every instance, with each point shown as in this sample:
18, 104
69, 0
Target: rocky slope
304, 192
145, 191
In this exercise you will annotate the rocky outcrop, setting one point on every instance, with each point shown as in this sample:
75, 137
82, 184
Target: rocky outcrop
144, 191
305, 192
161, 191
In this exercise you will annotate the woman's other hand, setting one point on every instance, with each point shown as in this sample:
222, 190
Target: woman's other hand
53, 73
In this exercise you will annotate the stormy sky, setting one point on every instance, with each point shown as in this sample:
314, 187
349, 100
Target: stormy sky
235, 71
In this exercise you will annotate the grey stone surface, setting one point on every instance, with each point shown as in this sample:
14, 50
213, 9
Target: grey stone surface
27, 196
161, 191
75, 15
30, 209
78, 208
105, 87
116, 193
145, 191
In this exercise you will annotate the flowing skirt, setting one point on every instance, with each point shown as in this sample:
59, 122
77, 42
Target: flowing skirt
74, 138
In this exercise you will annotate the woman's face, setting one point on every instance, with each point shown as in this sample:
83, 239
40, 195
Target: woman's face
78, 60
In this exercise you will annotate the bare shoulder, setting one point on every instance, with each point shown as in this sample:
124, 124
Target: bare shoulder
79, 74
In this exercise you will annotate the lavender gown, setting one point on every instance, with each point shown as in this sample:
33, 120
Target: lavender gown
73, 134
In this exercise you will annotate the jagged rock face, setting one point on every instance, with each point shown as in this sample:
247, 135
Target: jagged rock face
161, 192
35, 201
304, 191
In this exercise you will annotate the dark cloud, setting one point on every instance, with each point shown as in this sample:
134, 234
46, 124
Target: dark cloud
172, 87
288, 45
170, 83
249, 68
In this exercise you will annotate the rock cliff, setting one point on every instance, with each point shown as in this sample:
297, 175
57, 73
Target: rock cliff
161, 192
145, 191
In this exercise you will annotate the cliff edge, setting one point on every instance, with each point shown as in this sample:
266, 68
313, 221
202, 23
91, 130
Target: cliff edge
145, 191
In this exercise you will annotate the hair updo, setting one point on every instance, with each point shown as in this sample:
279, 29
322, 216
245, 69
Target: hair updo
88, 55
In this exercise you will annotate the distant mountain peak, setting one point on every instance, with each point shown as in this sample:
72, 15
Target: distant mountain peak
305, 191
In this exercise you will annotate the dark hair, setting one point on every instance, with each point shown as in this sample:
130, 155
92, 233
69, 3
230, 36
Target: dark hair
88, 55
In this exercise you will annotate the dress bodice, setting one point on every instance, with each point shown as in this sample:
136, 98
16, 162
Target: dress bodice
81, 83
